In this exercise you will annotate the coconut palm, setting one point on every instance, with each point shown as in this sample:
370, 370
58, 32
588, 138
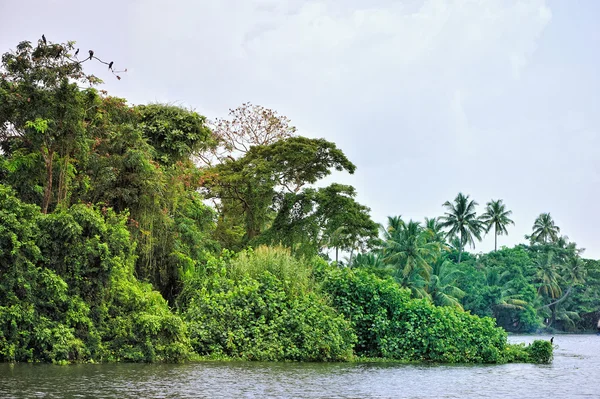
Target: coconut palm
498, 217
442, 285
548, 276
461, 221
435, 230
544, 229
500, 292
407, 248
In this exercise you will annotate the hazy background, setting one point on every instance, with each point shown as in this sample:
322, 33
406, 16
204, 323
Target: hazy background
494, 98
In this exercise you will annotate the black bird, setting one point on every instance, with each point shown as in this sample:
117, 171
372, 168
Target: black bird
76, 52
91, 54
552, 340
110, 65
44, 39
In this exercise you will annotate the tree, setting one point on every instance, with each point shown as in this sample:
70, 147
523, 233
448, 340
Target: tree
461, 221
313, 219
499, 292
435, 229
248, 125
345, 223
175, 133
268, 182
44, 112
498, 217
406, 246
544, 229
549, 279
443, 287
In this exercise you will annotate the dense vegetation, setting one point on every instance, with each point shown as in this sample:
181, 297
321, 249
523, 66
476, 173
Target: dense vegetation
149, 233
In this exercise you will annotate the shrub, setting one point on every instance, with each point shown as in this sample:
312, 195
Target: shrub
540, 352
388, 323
68, 293
256, 309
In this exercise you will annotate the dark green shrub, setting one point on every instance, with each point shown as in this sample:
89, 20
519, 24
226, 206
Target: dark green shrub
68, 293
389, 324
540, 352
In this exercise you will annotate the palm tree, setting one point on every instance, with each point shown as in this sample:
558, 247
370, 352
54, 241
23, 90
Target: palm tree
442, 285
436, 232
498, 217
544, 229
500, 293
462, 222
406, 247
549, 278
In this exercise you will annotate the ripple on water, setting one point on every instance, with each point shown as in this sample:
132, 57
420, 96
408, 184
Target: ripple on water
573, 374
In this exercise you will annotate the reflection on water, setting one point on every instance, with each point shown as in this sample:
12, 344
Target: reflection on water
573, 374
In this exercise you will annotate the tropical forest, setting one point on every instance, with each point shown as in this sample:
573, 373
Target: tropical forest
151, 233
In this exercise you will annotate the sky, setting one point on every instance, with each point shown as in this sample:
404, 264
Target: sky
498, 99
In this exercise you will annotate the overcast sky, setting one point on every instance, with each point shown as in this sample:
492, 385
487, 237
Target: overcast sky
493, 98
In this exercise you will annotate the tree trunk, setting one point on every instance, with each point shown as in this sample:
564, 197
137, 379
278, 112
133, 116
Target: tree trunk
495, 240
336, 255
459, 253
48, 158
62, 182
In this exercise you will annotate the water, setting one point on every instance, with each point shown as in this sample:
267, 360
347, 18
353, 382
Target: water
573, 374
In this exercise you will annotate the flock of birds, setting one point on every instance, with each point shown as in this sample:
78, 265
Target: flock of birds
90, 52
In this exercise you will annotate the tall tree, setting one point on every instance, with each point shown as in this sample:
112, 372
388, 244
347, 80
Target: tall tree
247, 125
44, 113
461, 221
544, 229
497, 216
267, 177
549, 280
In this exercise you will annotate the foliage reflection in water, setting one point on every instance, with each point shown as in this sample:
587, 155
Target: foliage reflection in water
572, 374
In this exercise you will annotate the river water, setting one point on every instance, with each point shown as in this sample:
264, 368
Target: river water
573, 374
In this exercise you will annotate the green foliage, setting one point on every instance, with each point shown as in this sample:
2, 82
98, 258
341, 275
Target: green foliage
103, 223
461, 220
544, 229
390, 324
262, 306
174, 132
262, 200
498, 217
327, 217
68, 292
540, 352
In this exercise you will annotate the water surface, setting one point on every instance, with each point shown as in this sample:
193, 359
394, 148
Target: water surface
573, 374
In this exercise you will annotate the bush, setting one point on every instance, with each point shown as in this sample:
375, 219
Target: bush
256, 309
389, 324
68, 293
540, 352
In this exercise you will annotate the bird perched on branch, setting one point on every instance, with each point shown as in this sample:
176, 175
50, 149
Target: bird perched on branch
110, 65
76, 52
44, 39
91, 54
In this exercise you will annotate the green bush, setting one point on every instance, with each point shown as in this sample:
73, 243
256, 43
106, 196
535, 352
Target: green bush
68, 293
256, 309
389, 324
540, 352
